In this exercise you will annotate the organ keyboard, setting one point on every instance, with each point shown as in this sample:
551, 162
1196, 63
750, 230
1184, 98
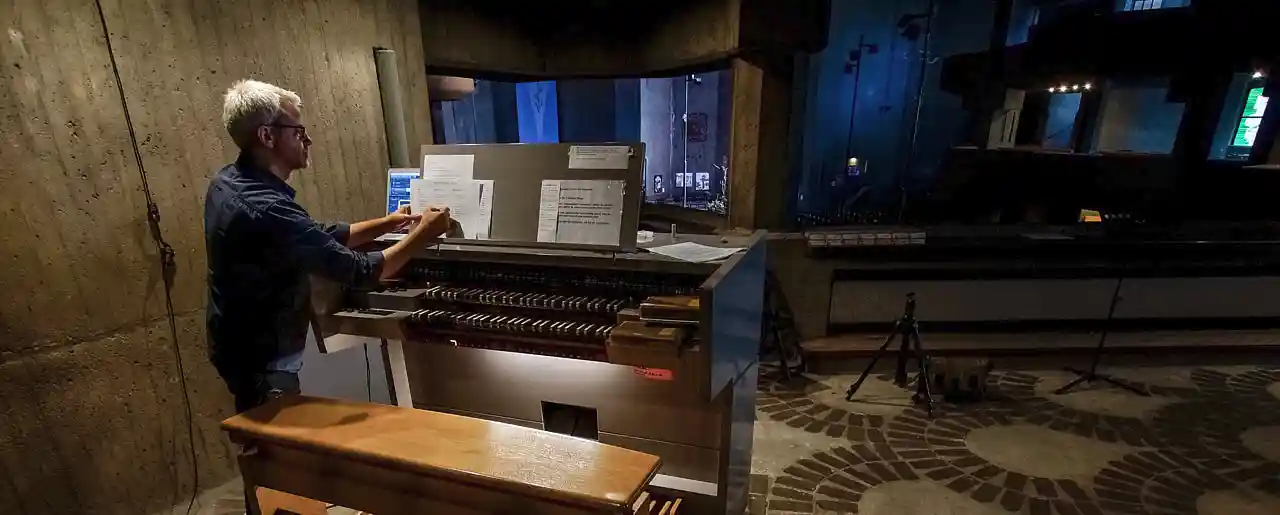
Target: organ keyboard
636, 350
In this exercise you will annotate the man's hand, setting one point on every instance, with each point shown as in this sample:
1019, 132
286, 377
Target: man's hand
434, 222
402, 218
365, 232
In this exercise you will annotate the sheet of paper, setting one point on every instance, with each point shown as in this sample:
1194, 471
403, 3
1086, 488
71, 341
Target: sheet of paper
461, 197
589, 212
391, 237
599, 157
695, 252
450, 167
548, 211
484, 220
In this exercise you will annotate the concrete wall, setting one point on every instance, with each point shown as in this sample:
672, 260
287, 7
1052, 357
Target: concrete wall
95, 420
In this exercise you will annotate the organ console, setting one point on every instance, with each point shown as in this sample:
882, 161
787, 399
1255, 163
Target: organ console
636, 350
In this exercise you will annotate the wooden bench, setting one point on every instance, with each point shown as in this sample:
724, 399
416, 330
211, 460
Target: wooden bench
388, 460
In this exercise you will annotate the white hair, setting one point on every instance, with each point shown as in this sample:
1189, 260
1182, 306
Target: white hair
250, 104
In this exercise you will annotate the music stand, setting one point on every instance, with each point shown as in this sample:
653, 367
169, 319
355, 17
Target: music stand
1091, 375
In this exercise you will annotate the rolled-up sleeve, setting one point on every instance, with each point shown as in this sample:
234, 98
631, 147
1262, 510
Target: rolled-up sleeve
339, 231
317, 247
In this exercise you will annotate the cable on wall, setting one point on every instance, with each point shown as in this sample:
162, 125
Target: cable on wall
168, 264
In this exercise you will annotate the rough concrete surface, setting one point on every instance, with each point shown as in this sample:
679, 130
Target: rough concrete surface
102, 424
805, 282
94, 418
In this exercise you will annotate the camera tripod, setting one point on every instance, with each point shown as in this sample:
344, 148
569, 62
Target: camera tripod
909, 330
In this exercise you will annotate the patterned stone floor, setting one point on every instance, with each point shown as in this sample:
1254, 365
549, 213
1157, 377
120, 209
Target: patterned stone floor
1207, 441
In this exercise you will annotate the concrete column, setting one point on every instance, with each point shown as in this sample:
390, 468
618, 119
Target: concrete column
758, 146
389, 85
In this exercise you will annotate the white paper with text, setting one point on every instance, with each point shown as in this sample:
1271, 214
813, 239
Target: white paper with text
485, 218
599, 157
461, 197
448, 167
695, 252
548, 211
589, 212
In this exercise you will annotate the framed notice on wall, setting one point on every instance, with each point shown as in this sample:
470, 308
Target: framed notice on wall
697, 127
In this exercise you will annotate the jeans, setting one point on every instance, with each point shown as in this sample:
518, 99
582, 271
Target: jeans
253, 389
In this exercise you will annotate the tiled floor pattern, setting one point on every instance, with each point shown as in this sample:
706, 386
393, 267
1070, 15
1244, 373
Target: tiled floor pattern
1207, 441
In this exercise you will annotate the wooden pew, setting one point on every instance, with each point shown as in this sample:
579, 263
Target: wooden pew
388, 460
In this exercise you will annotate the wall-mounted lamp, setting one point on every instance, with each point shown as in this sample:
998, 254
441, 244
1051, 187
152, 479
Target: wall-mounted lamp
1258, 75
1075, 87
1052, 89
852, 169
1088, 86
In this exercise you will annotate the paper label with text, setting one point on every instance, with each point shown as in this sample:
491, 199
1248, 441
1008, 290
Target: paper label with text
599, 157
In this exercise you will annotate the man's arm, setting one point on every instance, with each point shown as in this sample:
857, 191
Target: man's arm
360, 233
320, 249
433, 224
319, 252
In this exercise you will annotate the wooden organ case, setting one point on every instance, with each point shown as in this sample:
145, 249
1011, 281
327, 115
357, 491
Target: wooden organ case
637, 350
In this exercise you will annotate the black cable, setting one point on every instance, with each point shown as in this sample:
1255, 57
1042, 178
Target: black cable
168, 265
368, 377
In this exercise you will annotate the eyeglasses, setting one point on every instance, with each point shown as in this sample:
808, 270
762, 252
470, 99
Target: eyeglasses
302, 129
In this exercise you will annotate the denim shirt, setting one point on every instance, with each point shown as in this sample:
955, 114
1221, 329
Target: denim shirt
262, 247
